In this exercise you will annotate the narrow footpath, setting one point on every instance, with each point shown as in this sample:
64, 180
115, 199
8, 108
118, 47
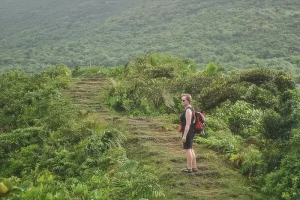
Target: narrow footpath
156, 143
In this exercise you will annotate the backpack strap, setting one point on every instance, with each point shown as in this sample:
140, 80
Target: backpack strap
193, 111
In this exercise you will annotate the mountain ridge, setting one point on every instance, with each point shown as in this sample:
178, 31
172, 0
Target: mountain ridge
232, 34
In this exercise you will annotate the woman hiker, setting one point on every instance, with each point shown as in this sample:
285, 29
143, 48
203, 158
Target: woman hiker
187, 119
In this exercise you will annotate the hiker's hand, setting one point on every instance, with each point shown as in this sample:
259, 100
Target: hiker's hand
183, 139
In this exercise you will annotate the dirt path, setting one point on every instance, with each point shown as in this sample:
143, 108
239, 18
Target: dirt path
156, 143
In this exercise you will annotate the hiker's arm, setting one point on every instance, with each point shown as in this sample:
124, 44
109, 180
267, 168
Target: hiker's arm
188, 117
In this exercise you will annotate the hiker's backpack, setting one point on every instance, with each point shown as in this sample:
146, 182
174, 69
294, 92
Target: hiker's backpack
199, 122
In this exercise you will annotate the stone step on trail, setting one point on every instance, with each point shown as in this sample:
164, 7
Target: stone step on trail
85, 93
95, 79
153, 139
89, 82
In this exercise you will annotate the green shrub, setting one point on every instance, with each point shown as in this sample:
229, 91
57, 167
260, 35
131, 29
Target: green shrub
257, 76
284, 82
137, 184
251, 161
21, 162
284, 183
101, 142
14, 141
242, 118
226, 145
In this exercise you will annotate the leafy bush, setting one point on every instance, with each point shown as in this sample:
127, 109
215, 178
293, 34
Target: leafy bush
146, 89
27, 100
14, 141
101, 142
60, 74
210, 69
258, 76
252, 161
242, 118
283, 182
22, 162
226, 145
135, 184
284, 82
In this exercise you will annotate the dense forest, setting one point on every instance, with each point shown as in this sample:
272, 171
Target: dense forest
232, 34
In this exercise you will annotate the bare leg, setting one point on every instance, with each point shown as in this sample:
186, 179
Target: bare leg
189, 158
194, 165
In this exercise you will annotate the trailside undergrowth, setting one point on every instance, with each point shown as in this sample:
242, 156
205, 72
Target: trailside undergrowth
48, 150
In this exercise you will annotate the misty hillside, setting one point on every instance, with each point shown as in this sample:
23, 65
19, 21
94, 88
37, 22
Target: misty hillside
233, 34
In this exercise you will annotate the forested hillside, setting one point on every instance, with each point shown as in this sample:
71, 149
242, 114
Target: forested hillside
233, 34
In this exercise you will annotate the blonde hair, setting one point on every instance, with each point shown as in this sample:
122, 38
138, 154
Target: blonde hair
188, 97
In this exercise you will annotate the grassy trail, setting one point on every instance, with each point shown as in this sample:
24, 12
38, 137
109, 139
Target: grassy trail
156, 143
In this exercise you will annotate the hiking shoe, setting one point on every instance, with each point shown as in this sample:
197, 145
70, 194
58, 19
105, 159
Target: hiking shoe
187, 170
194, 169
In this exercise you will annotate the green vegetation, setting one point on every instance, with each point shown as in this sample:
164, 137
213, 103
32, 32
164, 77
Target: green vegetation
232, 34
52, 148
70, 129
48, 150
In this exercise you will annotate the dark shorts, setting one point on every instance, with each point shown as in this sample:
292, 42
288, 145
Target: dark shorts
189, 140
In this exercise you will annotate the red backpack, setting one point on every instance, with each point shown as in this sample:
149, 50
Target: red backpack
199, 122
